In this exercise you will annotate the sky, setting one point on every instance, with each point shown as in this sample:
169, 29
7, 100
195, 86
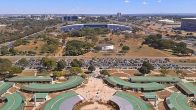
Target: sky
96, 6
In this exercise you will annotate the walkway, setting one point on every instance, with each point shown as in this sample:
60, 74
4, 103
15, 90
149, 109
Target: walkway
96, 90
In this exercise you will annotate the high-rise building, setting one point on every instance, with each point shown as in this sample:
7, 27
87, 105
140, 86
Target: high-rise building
70, 18
188, 24
119, 15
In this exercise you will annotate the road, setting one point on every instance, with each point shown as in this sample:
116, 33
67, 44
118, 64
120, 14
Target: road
81, 57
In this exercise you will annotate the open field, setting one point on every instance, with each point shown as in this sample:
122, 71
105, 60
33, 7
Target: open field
136, 48
122, 73
32, 46
28, 73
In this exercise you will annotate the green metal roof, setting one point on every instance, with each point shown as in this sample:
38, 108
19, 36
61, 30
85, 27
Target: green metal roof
116, 81
30, 79
14, 102
189, 88
41, 95
137, 103
177, 101
5, 86
72, 82
55, 103
154, 79
150, 95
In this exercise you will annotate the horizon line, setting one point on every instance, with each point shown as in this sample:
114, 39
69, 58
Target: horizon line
96, 13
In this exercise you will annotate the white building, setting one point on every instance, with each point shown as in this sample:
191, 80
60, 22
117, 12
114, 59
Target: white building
188, 24
106, 47
167, 21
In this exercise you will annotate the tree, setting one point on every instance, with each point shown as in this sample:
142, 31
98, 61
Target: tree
83, 75
91, 68
51, 45
76, 63
178, 72
23, 62
104, 72
75, 70
146, 68
20, 42
15, 70
49, 64
61, 64
148, 65
181, 48
4, 50
12, 51
5, 65
58, 74
76, 48
125, 48
164, 70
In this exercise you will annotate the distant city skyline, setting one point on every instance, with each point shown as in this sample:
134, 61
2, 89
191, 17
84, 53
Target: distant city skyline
97, 6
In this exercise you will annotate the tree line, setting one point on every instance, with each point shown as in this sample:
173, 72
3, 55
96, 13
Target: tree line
76, 48
24, 28
157, 42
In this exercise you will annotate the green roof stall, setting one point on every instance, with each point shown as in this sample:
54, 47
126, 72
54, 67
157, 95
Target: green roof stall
177, 101
64, 101
72, 82
187, 88
4, 86
14, 101
126, 101
30, 79
150, 96
116, 81
158, 79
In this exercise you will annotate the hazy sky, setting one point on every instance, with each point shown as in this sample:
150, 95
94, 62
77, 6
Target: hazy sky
96, 6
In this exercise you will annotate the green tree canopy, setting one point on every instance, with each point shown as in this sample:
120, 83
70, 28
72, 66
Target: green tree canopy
61, 64
164, 70
23, 62
146, 68
49, 64
104, 72
5, 65
4, 50
75, 70
51, 45
76, 63
15, 70
13, 51
157, 42
76, 48
58, 74
125, 48
91, 68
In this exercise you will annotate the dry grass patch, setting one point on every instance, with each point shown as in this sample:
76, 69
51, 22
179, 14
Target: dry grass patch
163, 94
122, 73
136, 49
161, 106
28, 73
32, 46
